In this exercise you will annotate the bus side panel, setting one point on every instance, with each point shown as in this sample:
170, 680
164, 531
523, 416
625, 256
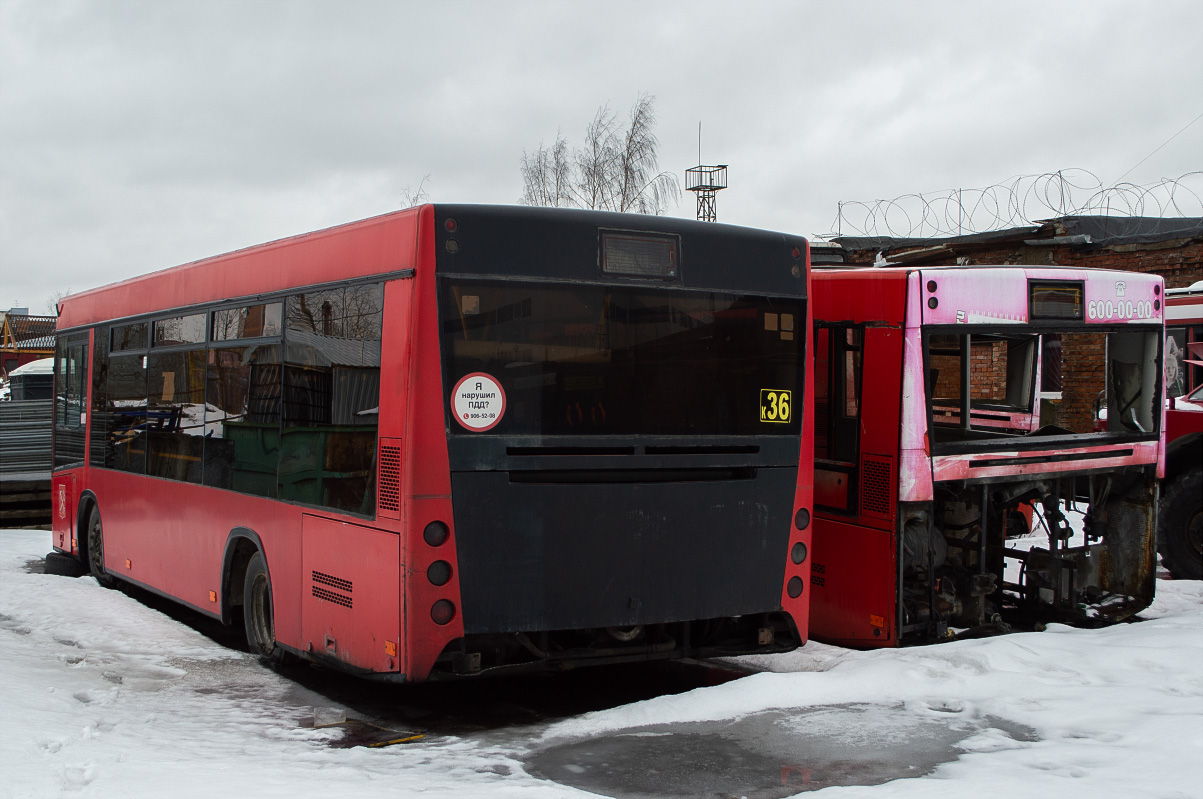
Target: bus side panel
878, 472
180, 553
799, 607
853, 576
63, 501
349, 608
427, 475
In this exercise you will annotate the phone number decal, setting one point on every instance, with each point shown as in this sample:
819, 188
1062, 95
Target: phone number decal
1119, 309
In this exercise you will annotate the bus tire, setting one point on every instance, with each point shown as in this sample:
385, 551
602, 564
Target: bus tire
1180, 526
64, 565
96, 550
257, 613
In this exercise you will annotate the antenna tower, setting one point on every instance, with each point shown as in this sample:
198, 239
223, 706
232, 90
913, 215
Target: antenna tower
706, 181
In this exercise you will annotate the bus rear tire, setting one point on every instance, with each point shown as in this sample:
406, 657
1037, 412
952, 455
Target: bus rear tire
64, 565
96, 550
257, 614
1180, 526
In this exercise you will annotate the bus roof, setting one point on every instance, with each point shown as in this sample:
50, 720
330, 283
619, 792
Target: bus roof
375, 246
378, 245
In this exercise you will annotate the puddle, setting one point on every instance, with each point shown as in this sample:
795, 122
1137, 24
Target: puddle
770, 755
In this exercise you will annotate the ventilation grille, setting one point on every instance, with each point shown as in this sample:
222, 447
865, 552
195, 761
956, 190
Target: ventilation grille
331, 596
334, 582
389, 481
875, 478
816, 580
337, 583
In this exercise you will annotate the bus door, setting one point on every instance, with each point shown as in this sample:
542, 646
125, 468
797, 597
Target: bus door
70, 428
857, 376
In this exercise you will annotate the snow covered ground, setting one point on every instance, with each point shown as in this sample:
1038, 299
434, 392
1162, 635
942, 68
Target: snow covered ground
100, 695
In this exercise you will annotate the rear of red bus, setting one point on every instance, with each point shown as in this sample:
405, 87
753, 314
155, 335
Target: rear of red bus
474, 440
961, 487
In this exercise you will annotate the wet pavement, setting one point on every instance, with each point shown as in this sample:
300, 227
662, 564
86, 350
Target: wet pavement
760, 756
770, 755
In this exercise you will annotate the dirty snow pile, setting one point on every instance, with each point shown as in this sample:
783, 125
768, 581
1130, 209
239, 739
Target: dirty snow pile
103, 696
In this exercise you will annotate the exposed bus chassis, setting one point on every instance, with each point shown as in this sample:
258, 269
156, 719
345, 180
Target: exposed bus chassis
960, 578
762, 633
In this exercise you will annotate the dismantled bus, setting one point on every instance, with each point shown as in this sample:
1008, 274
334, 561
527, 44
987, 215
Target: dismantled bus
961, 485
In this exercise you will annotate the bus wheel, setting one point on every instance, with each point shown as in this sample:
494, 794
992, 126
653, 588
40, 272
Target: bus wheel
257, 611
65, 565
96, 550
1180, 526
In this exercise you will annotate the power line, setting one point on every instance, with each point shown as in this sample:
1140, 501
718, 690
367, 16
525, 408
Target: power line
1167, 141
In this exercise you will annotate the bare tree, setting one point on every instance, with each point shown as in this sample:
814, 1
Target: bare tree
616, 169
547, 175
411, 196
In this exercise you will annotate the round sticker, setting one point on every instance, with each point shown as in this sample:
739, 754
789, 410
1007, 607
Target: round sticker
477, 402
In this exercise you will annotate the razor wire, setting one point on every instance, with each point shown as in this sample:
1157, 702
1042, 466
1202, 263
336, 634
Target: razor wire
1020, 201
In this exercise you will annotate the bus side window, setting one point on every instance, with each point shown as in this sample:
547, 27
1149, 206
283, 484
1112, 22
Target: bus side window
70, 399
242, 418
331, 398
176, 414
839, 361
101, 418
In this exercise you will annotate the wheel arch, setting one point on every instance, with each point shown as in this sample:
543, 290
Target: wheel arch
83, 509
1183, 454
241, 545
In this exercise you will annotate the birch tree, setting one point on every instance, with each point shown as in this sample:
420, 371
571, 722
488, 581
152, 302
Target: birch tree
615, 169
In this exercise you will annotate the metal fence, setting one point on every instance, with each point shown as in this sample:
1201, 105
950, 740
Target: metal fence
25, 438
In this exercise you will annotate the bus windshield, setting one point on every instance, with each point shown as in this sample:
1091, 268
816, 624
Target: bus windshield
1018, 383
616, 360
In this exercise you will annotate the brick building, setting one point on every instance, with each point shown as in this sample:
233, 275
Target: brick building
1170, 247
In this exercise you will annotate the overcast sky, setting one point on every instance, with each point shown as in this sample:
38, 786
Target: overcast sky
139, 135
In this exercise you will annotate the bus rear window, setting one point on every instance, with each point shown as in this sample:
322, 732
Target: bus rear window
607, 360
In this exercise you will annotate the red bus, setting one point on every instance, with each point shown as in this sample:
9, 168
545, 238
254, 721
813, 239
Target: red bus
950, 402
1180, 516
453, 440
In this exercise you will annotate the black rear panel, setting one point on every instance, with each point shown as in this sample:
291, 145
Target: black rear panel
624, 446
560, 554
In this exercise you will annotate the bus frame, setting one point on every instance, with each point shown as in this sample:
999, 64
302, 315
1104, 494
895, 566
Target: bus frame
901, 551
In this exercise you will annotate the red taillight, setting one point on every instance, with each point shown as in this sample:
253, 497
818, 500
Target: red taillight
442, 612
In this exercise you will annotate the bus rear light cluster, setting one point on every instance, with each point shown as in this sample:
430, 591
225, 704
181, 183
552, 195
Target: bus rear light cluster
438, 573
797, 554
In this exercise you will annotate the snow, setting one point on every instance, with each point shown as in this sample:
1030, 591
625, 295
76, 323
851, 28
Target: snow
101, 695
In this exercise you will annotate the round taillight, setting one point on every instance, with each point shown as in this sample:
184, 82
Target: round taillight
798, 553
932, 302
442, 612
452, 246
1156, 305
797, 253
931, 285
1156, 289
450, 224
439, 572
802, 519
436, 534
794, 587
